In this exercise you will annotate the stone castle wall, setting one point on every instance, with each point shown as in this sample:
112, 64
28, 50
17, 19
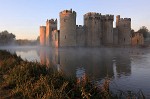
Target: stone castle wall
97, 31
80, 30
50, 26
137, 39
55, 38
42, 35
67, 28
124, 30
115, 36
92, 22
107, 26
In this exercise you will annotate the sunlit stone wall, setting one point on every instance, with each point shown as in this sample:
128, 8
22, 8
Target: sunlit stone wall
42, 35
92, 22
50, 26
137, 39
67, 28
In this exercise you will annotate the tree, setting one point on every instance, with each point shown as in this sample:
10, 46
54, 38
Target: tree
144, 31
6, 38
38, 39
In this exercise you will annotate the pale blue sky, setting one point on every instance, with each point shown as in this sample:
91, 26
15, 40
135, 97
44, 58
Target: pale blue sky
23, 17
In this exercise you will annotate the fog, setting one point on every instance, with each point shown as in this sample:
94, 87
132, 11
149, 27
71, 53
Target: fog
71, 59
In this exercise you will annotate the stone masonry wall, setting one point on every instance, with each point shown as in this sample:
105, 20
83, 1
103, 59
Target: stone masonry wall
55, 39
137, 39
80, 36
124, 30
50, 26
42, 35
97, 31
107, 27
92, 22
115, 36
67, 28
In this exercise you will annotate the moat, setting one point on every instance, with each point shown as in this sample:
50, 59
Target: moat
128, 68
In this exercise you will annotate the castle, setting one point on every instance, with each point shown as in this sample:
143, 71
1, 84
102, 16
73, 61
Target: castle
97, 31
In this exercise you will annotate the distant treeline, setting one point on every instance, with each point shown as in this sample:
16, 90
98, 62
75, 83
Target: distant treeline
7, 38
26, 42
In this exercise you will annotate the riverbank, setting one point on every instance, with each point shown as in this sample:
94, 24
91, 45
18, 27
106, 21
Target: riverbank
23, 79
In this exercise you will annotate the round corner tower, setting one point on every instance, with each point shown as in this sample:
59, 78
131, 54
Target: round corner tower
107, 21
42, 35
124, 30
67, 28
92, 22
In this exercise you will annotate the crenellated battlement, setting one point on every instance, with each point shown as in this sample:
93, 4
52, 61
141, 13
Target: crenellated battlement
68, 12
52, 21
79, 26
122, 19
92, 15
125, 19
96, 31
107, 17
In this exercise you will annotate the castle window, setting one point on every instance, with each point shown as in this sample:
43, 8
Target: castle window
64, 20
124, 39
90, 18
65, 36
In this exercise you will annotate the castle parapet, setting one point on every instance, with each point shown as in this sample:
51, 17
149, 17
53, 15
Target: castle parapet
125, 19
108, 17
92, 15
52, 21
68, 12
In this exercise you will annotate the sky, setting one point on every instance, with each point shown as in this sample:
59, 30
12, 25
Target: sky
23, 17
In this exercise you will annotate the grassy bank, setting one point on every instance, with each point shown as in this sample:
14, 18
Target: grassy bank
23, 79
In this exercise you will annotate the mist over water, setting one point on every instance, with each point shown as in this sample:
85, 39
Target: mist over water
128, 68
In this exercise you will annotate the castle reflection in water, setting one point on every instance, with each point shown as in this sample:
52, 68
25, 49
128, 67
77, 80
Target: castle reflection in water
127, 68
95, 63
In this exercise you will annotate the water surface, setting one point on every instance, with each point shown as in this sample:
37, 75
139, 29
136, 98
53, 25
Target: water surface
128, 68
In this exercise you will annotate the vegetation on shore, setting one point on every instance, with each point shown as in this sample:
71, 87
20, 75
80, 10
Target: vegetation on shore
23, 79
9, 39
